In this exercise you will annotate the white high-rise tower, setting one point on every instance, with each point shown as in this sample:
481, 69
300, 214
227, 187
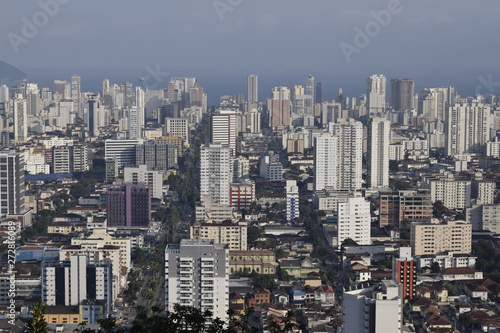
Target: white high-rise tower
325, 160
197, 275
216, 173
379, 136
349, 153
76, 94
354, 220
223, 129
20, 119
467, 128
375, 94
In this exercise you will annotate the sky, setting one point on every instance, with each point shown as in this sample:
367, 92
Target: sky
446, 42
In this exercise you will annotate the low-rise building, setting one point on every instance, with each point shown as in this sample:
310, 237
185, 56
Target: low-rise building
227, 232
260, 261
451, 274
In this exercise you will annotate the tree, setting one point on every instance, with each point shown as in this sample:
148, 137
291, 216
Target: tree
435, 268
78, 191
37, 324
349, 242
253, 234
393, 165
466, 319
182, 320
263, 281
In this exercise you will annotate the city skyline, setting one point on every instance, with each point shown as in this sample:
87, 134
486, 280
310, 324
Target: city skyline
312, 166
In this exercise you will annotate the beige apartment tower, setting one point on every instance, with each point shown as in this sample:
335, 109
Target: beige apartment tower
436, 237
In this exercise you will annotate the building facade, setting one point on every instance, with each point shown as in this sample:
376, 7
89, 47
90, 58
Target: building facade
435, 237
128, 205
197, 274
216, 173
378, 152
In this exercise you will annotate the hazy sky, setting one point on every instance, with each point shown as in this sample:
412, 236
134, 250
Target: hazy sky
432, 41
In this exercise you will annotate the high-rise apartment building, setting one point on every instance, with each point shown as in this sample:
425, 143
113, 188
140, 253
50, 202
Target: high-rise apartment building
434, 102
270, 167
122, 150
177, 141
325, 160
106, 85
80, 158
242, 195
309, 101
376, 94
371, 311
141, 175
70, 283
128, 205
453, 191
292, 200
404, 271
62, 88
223, 129
178, 127
12, 180
197, 274
438, 237
354, 220
349, 152
216, 173
402, 94
409, 205
134, 123
62, 159
279, 107
318, 93
156, 156
20, 119
379, 131
111, 169
4, 93
467, 128
253, 89
253, 121
76, 94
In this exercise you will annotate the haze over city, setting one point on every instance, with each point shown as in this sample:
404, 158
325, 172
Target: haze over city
435, 43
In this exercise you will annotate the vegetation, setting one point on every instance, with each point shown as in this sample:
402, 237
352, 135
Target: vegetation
488, 260
263, 281
40, 224
322, 249
186, 319
466, 319
37, 324
253, 234
435, 268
